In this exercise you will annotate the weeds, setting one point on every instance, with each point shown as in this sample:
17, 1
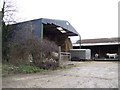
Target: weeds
8, 70
30, 68
11, 69
67, 66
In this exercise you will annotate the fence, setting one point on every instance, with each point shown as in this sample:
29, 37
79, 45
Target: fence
64, 57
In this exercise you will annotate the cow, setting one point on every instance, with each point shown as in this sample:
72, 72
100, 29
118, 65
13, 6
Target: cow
114, 55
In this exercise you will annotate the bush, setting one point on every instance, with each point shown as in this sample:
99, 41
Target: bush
22, 45
50, 64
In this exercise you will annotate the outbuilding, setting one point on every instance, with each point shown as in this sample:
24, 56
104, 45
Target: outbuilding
102, 47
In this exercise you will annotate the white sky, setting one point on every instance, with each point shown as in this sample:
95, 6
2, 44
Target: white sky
91, 18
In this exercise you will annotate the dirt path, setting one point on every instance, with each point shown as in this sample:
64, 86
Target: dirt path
85, 75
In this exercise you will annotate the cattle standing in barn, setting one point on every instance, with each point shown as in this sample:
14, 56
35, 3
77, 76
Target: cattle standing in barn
114, 55
96, 55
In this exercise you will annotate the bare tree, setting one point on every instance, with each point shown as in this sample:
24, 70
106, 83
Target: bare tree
8, 12
8, 17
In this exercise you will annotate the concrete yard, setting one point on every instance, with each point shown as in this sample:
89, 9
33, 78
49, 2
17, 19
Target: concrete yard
92, 74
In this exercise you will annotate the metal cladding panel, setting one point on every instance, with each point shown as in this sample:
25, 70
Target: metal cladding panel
36, 24
17, 27
62, 23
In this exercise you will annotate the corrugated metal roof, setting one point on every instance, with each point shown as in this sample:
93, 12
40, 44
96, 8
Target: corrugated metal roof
62, 23
96, 44
100, 40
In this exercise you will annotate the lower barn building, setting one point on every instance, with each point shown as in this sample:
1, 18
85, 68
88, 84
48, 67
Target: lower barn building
101, 47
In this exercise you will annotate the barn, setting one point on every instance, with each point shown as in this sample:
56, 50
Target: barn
53, 30
101, 46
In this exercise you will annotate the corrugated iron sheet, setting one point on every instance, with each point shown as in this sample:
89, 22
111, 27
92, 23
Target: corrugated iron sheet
37, 23
62, 23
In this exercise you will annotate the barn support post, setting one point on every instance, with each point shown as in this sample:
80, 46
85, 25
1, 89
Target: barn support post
59, 61
41, 36
41, 32
0, 48
99, 52
0, 37
118, 41
80, 41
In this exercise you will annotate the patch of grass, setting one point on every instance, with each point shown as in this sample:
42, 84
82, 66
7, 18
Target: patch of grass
66, 66
12, 69
30, 68
8, 69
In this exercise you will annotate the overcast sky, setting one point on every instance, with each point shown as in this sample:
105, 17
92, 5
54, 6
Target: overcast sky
91, 18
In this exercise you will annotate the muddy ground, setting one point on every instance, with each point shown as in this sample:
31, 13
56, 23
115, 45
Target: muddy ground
93, 74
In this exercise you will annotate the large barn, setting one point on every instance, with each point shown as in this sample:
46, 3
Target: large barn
54, 30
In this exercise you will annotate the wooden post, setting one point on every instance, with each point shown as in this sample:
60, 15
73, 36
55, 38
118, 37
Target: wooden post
41, 31
59, 61
41, 36
80, 41
1, 22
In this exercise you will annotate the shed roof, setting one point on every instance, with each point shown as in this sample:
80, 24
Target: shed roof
62, 23
56, 23
99, 41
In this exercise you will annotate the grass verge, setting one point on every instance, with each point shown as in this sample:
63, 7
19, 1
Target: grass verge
8, 70
25, 69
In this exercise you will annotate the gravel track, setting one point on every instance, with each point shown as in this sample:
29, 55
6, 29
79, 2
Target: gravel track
93, 74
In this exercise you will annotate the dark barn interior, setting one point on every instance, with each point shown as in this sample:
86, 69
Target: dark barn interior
102, 50
51, 33
101, 47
